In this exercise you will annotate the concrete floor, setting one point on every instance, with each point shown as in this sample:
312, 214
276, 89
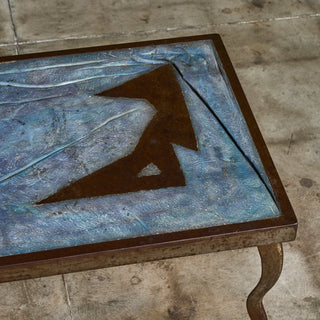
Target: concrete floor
275, 48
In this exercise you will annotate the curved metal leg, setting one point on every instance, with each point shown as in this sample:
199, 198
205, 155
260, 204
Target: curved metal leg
271, 260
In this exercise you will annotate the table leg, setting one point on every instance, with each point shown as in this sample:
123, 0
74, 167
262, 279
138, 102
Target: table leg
271, 260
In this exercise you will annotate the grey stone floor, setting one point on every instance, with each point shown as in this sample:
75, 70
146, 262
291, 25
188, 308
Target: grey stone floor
275, 48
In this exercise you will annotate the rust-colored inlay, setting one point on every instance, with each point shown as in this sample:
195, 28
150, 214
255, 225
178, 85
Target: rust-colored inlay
171, 124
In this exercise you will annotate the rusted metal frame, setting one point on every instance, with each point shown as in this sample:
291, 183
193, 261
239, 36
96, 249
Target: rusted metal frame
101, 259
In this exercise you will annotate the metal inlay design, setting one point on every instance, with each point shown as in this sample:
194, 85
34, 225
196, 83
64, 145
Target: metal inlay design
171, 124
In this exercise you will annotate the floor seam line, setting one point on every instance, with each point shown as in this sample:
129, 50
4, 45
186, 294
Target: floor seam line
186, 27
13, 28
67, 296
7, 44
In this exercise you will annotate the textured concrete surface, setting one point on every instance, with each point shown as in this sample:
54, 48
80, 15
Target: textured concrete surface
42, 298
7, 35
275, 47
66, 18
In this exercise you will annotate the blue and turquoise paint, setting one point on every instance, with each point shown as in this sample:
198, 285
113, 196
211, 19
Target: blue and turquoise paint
54, 130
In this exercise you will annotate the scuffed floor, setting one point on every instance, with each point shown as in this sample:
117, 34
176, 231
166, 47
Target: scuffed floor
275, 48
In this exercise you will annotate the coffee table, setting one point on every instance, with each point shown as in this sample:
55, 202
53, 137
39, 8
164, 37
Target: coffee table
130, 153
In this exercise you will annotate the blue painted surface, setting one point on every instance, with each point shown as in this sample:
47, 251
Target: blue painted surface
54, 130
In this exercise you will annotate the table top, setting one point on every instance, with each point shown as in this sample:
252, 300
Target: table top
130, 145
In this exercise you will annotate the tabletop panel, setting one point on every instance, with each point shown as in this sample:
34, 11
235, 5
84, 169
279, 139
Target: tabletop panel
120, 144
